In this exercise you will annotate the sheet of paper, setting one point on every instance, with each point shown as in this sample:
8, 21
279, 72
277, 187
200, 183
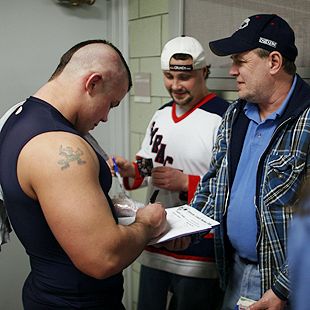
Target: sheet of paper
244, 303
183, 220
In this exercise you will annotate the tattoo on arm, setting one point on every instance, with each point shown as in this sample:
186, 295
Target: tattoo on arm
70, 155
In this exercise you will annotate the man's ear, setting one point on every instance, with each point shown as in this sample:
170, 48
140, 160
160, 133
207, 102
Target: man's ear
92, 82
205, 72
275, 61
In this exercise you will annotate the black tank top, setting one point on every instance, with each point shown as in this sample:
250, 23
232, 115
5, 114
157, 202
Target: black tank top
54, 282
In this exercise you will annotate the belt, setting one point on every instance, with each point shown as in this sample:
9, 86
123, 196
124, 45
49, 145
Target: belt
247, 261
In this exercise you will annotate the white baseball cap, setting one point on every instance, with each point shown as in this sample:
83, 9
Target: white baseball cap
183, 45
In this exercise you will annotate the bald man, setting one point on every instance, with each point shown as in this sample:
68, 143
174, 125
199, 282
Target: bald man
55, 186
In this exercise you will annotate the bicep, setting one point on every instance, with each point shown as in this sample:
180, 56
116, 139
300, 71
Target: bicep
63, 175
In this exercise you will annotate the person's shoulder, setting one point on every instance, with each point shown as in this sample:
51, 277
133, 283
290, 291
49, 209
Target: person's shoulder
56, 145
59, 157
51, 137
166, 105
215, 105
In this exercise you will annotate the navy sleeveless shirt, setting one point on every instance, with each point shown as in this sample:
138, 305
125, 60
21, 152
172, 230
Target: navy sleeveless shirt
54, 282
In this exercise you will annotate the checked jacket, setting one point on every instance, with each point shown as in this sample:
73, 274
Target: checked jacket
281, 171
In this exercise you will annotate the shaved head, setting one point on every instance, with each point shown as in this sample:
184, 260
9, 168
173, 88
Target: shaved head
93, 56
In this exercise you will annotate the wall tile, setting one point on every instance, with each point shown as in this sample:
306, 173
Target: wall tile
145, 37
152, 65
134, 65
141, 114
153, 7
228, 95
164, 29
133, 9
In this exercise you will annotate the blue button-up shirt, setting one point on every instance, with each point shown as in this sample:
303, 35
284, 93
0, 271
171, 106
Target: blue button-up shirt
241, 216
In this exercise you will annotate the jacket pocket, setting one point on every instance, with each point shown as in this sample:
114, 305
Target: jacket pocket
283, 177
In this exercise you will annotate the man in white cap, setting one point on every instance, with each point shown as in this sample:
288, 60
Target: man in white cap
179, 140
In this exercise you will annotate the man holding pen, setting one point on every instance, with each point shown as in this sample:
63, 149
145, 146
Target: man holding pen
178, 142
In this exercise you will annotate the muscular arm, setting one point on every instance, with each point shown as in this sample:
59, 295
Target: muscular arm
76, 208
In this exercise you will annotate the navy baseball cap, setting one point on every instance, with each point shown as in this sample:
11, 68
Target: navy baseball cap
267, 31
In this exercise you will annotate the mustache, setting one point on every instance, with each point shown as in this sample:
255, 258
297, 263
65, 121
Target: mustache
179, 92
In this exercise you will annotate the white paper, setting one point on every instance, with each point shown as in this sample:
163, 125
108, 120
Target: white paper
244, 303
183, 220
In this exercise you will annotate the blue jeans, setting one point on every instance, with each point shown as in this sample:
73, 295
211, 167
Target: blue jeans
187, 292
245, 280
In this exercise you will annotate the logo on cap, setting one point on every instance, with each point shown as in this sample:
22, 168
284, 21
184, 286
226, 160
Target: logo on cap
268, 42
245, 23
181, 67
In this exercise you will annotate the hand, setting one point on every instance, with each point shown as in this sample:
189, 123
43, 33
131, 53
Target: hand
125, 167
269, 301
178, 244
154, 217
170, 179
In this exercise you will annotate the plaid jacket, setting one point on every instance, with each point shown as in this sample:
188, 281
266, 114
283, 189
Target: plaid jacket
281, 170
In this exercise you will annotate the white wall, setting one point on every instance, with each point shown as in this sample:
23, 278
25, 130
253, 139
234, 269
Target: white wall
33, 36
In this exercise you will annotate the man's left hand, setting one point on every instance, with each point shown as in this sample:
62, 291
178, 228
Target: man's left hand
170, 179
269, 301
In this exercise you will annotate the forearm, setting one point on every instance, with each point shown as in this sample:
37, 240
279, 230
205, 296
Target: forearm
122, 245
105, 248
127, 246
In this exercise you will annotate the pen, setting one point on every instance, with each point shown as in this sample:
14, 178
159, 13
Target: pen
154, 196
115, 164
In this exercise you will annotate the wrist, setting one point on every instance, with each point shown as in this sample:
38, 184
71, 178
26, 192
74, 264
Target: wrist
146, 229
132, 171
279, 294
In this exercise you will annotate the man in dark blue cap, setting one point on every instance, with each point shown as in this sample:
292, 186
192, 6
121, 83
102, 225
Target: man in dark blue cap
261, 158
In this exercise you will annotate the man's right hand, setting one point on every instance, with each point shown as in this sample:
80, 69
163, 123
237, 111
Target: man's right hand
125, 167
153, 216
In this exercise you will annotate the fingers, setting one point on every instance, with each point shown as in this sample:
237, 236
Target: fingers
169, 178
178, 244
125, 167
154, 217
120, 161
163, 177
161, 169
